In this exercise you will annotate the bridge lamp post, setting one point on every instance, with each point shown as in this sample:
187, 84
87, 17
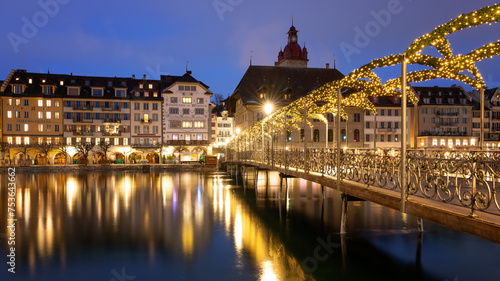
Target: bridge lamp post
268, 108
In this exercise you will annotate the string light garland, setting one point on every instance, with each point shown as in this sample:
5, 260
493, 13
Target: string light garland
367, 83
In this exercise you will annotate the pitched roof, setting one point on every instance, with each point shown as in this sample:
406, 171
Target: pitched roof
277, 80
169, 80
446, 94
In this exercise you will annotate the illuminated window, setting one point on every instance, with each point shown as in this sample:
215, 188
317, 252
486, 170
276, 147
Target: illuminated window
457, 142
26, 140
187, 100
434, 142
78, 140
473, 142
187, 124
150, 85
175, 137
117, 141
125, 141
199, 124
442, 142
40, 103
49, 115
26, 127
40, 127
450, 143
56, 115
40, 140
18, 102
9, 114
9, 101
18, 89
68, 141
18, 140
9, 140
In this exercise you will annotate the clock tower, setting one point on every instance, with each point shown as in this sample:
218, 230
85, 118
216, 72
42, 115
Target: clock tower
292, 55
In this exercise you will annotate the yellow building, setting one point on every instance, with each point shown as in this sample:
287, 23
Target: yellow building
31, 116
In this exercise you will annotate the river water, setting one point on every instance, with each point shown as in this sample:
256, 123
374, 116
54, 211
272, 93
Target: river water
204, 226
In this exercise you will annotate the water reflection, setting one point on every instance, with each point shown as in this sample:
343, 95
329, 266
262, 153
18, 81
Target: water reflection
64, 217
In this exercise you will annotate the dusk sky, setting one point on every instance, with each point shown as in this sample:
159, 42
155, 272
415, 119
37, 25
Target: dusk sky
121, 38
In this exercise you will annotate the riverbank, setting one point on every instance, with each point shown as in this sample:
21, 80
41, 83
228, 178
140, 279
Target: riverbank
34, 169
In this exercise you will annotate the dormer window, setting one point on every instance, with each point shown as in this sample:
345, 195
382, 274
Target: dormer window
150, 86
97, 92
87, 83
146, 94
120, 93
72, 81
47, 90
155, 94
30, 80
463, 101
141, 86
43, 80
427, 100
439, 101
137, 93
124, 83
110, 83
375, 99
451, 101
18, 89
61, 82
262, 95
73, 91
396, 99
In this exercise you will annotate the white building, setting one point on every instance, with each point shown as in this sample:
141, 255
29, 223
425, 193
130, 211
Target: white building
186, 113
223, 128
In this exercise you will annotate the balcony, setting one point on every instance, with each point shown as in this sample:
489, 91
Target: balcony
83, 107
111, 134
146, 145
83, 133
186, 142
149, 121
447, 114
82, 120
111, 108
112, 121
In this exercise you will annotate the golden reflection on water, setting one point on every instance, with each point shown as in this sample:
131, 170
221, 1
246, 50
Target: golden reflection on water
174, 213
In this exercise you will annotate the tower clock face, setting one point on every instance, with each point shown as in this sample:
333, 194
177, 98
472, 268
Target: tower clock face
294, 39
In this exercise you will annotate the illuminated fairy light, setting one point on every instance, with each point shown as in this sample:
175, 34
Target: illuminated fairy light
367, 83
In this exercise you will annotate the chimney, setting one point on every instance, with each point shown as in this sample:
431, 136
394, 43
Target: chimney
327, 66
144, 77
133, 76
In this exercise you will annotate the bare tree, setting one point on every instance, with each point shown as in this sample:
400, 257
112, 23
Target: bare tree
4, 146
45, 148
84, 148
218, 99
64, 150
104, 146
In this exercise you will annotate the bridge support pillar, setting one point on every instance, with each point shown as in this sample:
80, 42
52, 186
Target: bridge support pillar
420, 225
343, 218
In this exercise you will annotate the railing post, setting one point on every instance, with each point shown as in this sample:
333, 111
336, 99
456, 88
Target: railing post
339, 177
305, 139
402, 180
474, 186
481, 138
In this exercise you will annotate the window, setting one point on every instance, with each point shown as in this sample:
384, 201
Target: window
26, 114
427, 100
181, 88
146, 94
40, 127
357, 117
9, 127
125, 116
26, 127
302, 135
396, 125
389, 138
396, 112
137, 106
49, 115
155, 117
389, 112
26, 102
343, 135
56, 115
125, 105
9, 101
9, 140
186, 100
199, 100
9, 114
18, 114
316, 135
145, 106
120, 93
155, 129
356, 135
367, 138
368, 125
199, 124
57, 103
193, 88
145, 129
185, 111
382, 112
439, 101
382, 125
199, 111
56, 128
389, 125
187, 124
330, 135
18, 102
150, 86
47, 90
173, 99
97, 92
174, 110
175, 136
18, 89
155, 106
18, 140
382, 138
175, 124
137, 117
26, 140
87, 83
117, 141
137, 129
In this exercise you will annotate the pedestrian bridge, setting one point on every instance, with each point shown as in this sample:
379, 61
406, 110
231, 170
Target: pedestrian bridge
456, 189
